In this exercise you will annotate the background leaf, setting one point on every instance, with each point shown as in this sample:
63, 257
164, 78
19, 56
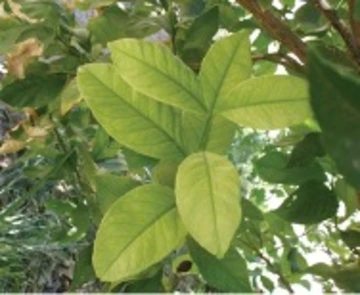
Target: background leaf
228, 274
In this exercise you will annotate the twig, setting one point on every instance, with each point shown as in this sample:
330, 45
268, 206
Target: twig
276, 28
345, 33
271, 266
280, 58
354, 21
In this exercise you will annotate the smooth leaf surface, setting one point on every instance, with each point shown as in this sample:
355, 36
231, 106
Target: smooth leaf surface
208, 200
133, 119
334, 99
34, 91
226, 65
273, 168
229, 274
110, 188
201, 132
268, 102
311, 203
152, 69
139, 230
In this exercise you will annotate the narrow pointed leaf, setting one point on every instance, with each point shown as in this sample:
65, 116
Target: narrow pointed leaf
139, 230
208, 200
133, 119
268, 102
229, 274
152, 69
226, 65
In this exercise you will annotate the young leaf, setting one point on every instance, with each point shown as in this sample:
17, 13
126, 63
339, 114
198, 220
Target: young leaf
268, 102
227, 64
152, 69
229, 274
334, 99
133, 119
208, 200
311, 203
139, 230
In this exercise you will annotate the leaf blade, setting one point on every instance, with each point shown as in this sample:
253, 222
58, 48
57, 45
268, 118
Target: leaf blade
268, 102
152, 69
208, 200
144, 125
119, 254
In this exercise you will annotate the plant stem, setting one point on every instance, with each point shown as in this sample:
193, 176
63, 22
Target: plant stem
276, 28
330, 14
354, 20
282, 59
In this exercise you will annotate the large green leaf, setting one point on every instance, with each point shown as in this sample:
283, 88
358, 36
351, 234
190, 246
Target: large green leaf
334, 99
226, 65
152, 69
229, 274
133, 119
139, 230
208, 200
311, 203
34, 90
273, 167
268, 102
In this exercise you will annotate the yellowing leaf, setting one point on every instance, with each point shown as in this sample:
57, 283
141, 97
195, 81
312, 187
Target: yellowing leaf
132, 118
11, 146
208, 200
268, 102
152, 69
69, 97
139, 230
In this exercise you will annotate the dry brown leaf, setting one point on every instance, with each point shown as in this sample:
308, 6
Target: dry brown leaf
23, 53
16, 10
11, 146
36, 132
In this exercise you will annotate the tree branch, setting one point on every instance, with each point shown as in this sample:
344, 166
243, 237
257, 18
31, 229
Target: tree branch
331, 15
282, 59
354, 21
276, 28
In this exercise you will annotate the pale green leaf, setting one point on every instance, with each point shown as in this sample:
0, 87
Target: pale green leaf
208, 200
211, 133
69, 97
139, 230
110, 188
227, 64
133, 119
152, 69
268, 102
